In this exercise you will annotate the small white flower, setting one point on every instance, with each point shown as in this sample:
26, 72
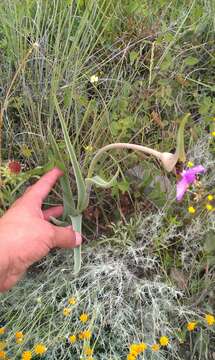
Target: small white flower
94, 79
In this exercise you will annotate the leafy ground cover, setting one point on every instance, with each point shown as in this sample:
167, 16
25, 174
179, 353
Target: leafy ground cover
121, 71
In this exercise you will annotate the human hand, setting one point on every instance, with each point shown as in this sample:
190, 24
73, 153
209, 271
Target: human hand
26, 235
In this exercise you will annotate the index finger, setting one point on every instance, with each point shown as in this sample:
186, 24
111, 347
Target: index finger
40, 190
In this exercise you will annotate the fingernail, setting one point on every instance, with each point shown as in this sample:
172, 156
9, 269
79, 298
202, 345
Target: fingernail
78, 238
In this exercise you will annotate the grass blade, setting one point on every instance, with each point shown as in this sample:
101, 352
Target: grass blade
180, 139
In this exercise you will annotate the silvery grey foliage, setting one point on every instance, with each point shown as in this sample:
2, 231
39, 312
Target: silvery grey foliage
123, 286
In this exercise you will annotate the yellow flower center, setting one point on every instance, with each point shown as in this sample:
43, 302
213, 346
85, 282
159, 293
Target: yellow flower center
142, 347
19, 335
72, 339
40, 349
84, 317
87, 334
155, 347
66, 311
72, 301
191, 325
88, 351
164, 340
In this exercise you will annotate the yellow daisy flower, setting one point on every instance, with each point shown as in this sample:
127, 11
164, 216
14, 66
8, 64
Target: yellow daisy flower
19, 337
88, 351
210, 197
190, 164
209, 207
213, 133
191, 210
84, 317
155, 347
142, 347
134, 349
81, 336
164, 340
210, 319
191, 325
72, 301
85, 335
40, 349
27, 355
72, 339
66, 311
2, 330
2, 354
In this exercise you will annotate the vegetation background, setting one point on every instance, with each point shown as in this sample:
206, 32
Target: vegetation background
148, 264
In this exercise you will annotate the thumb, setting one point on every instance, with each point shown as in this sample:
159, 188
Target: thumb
66, 237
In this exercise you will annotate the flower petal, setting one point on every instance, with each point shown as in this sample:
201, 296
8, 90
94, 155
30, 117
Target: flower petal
190, 174
181, 188
196, 170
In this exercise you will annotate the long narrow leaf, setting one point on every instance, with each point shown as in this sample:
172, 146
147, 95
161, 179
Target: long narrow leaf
82, 195
98, 181
68, 200
180, 139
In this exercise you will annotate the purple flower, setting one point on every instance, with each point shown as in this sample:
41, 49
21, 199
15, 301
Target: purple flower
188, 177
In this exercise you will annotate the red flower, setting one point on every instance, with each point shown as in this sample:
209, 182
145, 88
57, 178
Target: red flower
14, 166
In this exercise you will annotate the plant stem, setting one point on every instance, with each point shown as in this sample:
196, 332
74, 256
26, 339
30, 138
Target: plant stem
77, 225
144, 149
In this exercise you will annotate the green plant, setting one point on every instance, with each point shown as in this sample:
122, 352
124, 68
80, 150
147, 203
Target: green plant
154, 62
73, 212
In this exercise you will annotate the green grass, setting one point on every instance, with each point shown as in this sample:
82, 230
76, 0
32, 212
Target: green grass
155, 62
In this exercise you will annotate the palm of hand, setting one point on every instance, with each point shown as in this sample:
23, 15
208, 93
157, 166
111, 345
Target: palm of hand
26, 234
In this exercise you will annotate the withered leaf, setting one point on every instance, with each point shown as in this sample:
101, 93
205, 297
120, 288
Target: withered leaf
155, 116
178, 277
